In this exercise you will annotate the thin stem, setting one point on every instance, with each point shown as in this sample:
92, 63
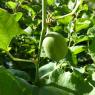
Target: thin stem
37, 73
44, 26
78, 2
17, 59
69, 36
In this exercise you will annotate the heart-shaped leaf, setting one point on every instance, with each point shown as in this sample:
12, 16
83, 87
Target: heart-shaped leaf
9, 28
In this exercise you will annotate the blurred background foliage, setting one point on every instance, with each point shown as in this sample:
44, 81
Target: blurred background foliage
78, 29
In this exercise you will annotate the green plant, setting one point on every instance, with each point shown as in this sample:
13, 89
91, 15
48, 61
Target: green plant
28, 69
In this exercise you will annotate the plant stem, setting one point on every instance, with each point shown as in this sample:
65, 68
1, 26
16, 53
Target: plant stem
17, 59
44, 26
37, 73
78, 2
69, 37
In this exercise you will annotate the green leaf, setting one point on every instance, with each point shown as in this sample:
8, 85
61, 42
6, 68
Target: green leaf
72, 58
57, 28
46, 69
91, 49
73, 83
85, 7
90, 68
9, 28
25, 86
77, 49
82, 23
18, 16
29, 9
51, 90
91, 32
50, 2
20, 1
65, 20
20, 74
81, 38
11, 4
10, 85
71, 4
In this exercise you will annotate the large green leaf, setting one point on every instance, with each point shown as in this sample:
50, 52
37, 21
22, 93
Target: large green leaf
20, 74
9, 28
10, 85
67, 83
74, 82
50, 90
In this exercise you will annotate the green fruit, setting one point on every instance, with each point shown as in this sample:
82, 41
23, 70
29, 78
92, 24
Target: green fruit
55, 46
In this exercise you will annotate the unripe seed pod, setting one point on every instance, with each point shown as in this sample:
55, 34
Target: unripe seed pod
55, 46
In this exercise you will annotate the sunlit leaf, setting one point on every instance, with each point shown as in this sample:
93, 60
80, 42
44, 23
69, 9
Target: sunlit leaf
18, 16
82, 24
73, 82
65, 20
77, 49
11, 4
71, 4
46, 69
29, 9
85, 7
81, 38
50, 2
9, 28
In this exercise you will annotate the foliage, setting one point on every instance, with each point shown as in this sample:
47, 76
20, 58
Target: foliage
24, 66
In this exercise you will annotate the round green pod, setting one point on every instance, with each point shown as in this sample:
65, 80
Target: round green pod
55, 46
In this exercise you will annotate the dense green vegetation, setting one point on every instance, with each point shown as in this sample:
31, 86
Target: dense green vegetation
29, 67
